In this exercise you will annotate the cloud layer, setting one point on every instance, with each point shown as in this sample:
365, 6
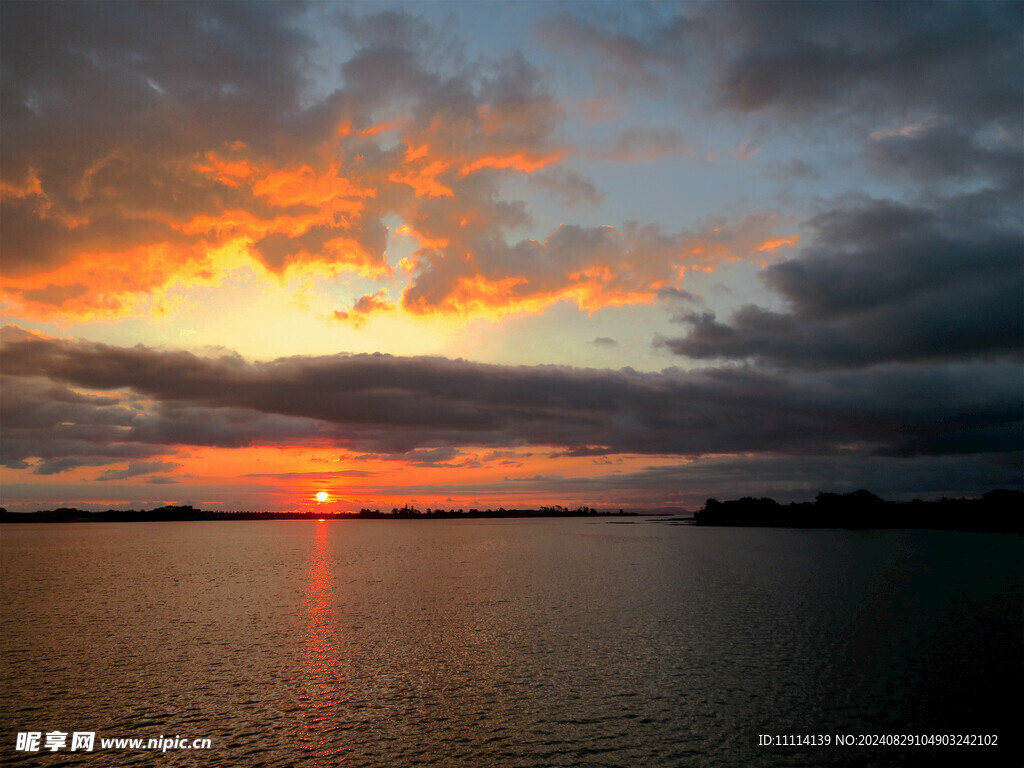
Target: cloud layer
152, 401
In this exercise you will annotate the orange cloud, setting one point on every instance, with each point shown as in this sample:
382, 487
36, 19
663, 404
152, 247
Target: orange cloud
775, 243
106, 283
592, 268
424, 181
227, 172
423, 240
365, 305
518, 161
30, 187
120, 221
379, 128
328, 191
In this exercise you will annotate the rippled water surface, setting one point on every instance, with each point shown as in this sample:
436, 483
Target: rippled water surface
565, 642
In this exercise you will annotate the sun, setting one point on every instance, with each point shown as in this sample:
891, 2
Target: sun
321, 496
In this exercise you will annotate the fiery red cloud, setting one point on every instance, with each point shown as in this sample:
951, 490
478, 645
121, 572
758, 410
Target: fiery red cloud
185, 191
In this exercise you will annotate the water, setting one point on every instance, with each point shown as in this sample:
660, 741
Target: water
564, 642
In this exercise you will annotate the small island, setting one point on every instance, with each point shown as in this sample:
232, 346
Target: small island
996, 511
190, 513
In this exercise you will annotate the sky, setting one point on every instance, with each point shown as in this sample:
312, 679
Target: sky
508, 254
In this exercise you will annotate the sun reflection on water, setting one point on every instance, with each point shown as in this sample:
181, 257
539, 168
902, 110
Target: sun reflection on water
323, 684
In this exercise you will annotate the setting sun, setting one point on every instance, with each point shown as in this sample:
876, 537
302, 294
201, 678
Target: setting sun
321, 496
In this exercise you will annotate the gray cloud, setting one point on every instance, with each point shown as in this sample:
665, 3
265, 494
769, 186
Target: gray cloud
432, 406
137, 469
62, 429
950, 152
805, 57
573, 187
882, 281
945, 57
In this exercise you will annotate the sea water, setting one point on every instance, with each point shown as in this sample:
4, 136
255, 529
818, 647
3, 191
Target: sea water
551, 642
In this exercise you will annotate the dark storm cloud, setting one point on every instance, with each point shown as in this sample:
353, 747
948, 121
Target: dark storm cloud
65, 429
807, 58
950, 57
68, 67
882, 281
937, 153
62, 428
426, 407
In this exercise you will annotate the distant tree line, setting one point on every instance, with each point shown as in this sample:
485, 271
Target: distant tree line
187, 512
998, 510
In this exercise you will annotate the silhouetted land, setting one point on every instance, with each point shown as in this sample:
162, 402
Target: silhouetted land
998, 510
164, 514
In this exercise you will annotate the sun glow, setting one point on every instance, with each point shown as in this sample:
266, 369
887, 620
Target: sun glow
321, 496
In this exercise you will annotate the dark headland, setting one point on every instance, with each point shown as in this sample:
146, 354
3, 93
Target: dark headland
999, 510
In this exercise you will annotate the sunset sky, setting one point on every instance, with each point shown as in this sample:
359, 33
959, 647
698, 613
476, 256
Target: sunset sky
509, 253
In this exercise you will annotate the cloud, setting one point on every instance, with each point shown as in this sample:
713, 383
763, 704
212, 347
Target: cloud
420, 457
876, 69
136, 469
348, 473
882, 281
604, 341
593, 267
817, 57
363, 306
51, 428
948, 152
805, 58
624, 61
573, 187
432, 406
161, 480
224, 157
124, 187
